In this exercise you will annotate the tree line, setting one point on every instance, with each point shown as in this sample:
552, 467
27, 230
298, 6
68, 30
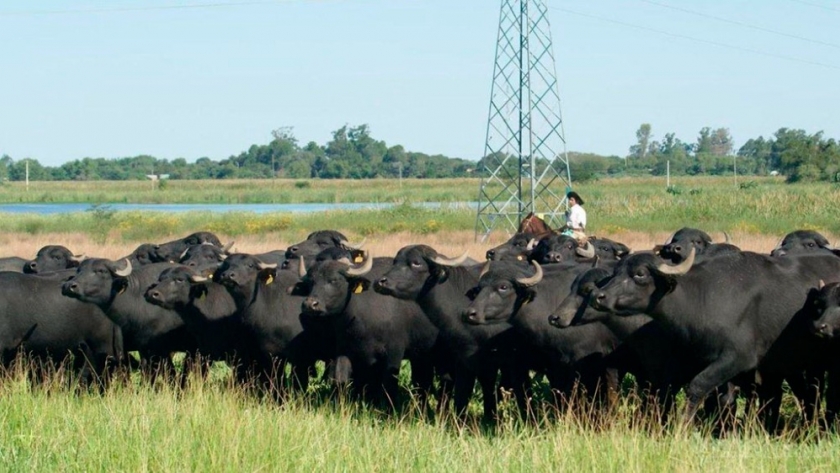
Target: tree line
353, 153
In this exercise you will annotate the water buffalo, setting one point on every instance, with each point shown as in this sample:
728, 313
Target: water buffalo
737, 330
374, 331
804, 241
172, 250
440, 286
52, 258
36, 319
118, 289
321, 240
677, 247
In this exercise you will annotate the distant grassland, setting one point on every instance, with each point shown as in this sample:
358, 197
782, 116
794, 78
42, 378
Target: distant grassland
615, 206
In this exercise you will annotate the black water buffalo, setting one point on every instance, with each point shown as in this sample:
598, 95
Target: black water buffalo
440, 287
734, 311
374, 331
557, 248
804, 241
824, 309
118, 289
677, 247
144, 254
517, 248
319, 241
172, 250
36, 319
203, 256
52, 258
208, 311
507, 293
271, 316
608, 250
658, 360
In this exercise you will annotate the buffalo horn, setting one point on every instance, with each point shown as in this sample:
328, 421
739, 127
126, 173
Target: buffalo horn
778, 245
532, 243
227, 248
301, 267
532, 280
726, 238
670, 238
183, 254
367, 265
78, 258
444, 261
125, 271
262, 265
197, 278
484, 270
678, 269
354, 246
587, 251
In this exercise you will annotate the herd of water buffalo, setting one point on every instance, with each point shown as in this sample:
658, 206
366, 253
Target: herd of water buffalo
691, 314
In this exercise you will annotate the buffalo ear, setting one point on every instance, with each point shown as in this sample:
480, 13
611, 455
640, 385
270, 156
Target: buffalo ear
357, 256
267, 275
359, 285
120, 285
473, 293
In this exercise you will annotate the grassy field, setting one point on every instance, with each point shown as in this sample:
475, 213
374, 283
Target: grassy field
214, 427
615, 207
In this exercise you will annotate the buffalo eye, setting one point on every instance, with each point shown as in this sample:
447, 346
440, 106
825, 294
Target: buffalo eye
639, 274
504, 287
811, 244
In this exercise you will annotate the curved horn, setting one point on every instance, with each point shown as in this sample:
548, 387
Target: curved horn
484, 270
301, 267
183, 254
354, 246
226, 248
778, 245
678, 269
78, 258
587, 251
262, 265
530, 281
532, 243
670, 238
726, 238
444, 261
125, 271
345, 260
198, 278
367, 265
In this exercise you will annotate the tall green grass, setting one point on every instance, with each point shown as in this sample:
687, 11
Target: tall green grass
213, 426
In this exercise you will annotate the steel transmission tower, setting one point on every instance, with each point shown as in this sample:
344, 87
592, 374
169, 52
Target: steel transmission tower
526, 168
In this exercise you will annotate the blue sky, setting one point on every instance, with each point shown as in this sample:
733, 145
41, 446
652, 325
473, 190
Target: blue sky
103, 79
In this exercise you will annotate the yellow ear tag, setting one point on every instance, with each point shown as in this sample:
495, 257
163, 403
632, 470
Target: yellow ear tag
359, 288
269, 280
358, 259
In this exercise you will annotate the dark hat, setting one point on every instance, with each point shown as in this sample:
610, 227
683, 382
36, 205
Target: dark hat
576, 197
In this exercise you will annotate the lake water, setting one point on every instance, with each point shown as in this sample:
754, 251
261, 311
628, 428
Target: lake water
46, 209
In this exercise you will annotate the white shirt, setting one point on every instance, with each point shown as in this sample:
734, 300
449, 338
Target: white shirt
577, 217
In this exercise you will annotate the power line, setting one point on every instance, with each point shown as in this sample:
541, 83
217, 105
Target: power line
148, 8
699, 40
825, 7
739, 23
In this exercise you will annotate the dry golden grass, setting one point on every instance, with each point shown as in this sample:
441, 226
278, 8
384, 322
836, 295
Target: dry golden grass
450, 243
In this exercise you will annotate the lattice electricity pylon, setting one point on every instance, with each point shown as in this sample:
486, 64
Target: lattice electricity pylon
525, 165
